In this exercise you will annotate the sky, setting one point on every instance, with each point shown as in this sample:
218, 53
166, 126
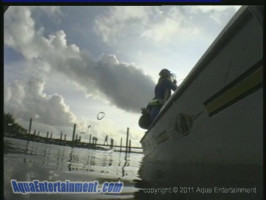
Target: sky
64, 65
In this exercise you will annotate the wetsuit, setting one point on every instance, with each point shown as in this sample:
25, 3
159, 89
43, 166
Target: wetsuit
163, 86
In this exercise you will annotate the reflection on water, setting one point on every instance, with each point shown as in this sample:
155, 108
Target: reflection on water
143, 178
26, 161
169, 180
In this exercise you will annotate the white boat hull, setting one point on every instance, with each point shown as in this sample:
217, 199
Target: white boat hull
210, 132
216, 115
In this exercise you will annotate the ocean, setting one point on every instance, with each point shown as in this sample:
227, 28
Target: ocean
142, 177
28, 161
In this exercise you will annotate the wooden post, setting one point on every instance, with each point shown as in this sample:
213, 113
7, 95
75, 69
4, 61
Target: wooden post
30, 125
127, 140
47, 134
129, 149
51, 136
73, 136
65, 137
61, 134
90, 139
121, 145
112, 143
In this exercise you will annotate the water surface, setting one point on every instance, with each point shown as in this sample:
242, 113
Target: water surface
27, 161
143, 178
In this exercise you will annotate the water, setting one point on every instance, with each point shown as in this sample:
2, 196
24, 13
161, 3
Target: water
143, 177
26, 161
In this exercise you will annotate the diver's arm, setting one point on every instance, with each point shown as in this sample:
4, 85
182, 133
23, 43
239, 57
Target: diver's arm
174, 85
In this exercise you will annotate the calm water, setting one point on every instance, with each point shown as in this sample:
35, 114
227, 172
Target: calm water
26, 161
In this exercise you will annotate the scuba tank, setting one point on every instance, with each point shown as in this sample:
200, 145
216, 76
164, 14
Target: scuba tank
145, 119
156, 102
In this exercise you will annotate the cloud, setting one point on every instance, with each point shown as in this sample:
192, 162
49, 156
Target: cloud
27, 99
222, 8
124, 85
19, 30
119, 21
167, 29
219, 14
50, 10
150, 23
160, 24
20, 34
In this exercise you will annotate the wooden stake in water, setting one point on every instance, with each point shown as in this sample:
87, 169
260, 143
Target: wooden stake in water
127, 140
129, 149
121, 145
112, 143
73, 136
30, 125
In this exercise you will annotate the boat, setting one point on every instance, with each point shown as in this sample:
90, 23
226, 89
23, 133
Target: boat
211, 128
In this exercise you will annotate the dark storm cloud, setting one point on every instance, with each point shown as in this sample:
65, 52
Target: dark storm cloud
125, 85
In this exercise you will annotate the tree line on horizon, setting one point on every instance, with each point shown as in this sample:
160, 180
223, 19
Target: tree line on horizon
10, 125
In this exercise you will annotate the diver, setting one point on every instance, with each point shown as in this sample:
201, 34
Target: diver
162, 91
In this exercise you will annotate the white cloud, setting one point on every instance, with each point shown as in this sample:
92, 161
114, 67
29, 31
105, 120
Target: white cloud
20, 34
19, 30
148, 22
220, 14
27, 99
162, 25
118, 20
166, 30
116, 80
222, 8
50, 10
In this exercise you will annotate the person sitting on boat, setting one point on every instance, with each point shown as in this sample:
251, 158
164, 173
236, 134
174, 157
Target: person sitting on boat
162, 92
